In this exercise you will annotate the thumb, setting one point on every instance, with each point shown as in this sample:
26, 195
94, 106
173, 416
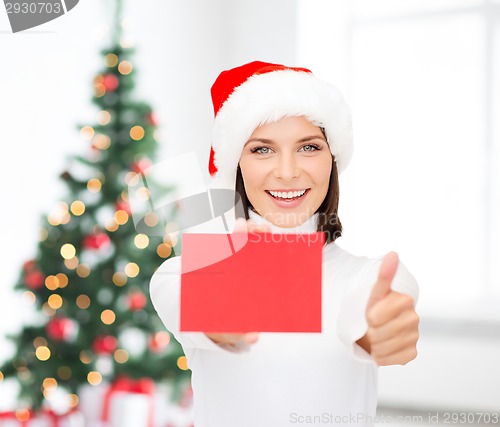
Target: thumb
386, 274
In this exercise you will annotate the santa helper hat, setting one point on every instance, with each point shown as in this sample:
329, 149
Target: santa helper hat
257, 93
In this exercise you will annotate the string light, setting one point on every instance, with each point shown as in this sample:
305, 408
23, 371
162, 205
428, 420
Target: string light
121, 217
162, 339
151, 219
168, 240
111, 60
137, 133
60, 215
182, 363
121, 356
126, 23
87, 132
103, 117
124, 195
55, 301
51, 283
73, 400
126, 43
72, 263
43, 234
23, 373
83, 301
42, 353
49, 383
132, 178
83, 270
39, 341
64, 372
1, 376
85, 357
119, 278
63, 280
49, 311
125, 67
30, 297
172, 227
94, 185
112, 226
94, 378
141, 241
163, 250
143, 194
99, 87
108, 317
102, 142
100, 90
132, 269
68, 251
77, 208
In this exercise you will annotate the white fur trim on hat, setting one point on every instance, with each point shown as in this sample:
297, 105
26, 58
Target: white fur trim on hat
267, 98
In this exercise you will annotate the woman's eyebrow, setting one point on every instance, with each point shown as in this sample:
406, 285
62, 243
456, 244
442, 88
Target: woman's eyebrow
310, 138
263, 140
271, 142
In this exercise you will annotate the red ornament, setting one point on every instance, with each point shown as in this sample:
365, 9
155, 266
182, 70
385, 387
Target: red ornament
110, 82
151, 119
105, 344
159, 341
137, 301
122, 205
186, 399
61, 328
29, 265
34, 279
141, 165
96, 241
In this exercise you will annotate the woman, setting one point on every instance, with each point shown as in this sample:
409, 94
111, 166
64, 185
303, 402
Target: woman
281, 136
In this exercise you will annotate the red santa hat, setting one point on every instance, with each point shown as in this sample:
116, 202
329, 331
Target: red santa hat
257, 93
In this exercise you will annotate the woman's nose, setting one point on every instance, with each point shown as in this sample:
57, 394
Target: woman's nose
286, 167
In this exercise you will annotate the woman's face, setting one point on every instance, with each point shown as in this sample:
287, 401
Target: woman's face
286, 169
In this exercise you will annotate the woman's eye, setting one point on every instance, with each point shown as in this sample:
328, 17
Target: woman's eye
310, 147
261, 150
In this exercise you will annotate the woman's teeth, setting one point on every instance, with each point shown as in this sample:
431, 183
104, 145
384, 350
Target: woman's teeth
287, 195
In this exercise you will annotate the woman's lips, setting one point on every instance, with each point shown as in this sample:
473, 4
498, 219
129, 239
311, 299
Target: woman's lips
288, 203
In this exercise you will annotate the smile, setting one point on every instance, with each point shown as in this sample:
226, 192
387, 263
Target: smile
287, 196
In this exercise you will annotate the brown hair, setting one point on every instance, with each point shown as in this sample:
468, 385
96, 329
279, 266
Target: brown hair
328, 219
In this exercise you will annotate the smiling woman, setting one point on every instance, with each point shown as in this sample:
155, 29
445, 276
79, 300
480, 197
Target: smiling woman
285, 171
281, 137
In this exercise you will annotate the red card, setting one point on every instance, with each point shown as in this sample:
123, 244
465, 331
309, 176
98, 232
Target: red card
257, 282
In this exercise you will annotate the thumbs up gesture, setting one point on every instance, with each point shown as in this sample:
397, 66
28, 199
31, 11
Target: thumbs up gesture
392, 333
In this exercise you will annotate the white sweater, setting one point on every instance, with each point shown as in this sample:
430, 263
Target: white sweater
287, 379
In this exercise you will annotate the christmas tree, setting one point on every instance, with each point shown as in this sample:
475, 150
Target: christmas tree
89, 281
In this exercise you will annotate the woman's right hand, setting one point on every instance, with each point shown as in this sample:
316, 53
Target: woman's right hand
241, 226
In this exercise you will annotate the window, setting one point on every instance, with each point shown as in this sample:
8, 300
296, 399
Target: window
422, 79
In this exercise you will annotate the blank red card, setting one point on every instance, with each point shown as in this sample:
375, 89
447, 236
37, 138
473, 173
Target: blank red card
257, 282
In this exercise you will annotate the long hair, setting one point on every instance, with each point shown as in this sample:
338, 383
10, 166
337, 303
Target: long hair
328, 219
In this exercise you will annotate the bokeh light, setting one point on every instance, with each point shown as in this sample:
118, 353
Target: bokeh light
94, 378
108, 317
68, 251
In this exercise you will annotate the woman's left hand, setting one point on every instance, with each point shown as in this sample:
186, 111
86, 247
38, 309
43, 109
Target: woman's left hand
392, 333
